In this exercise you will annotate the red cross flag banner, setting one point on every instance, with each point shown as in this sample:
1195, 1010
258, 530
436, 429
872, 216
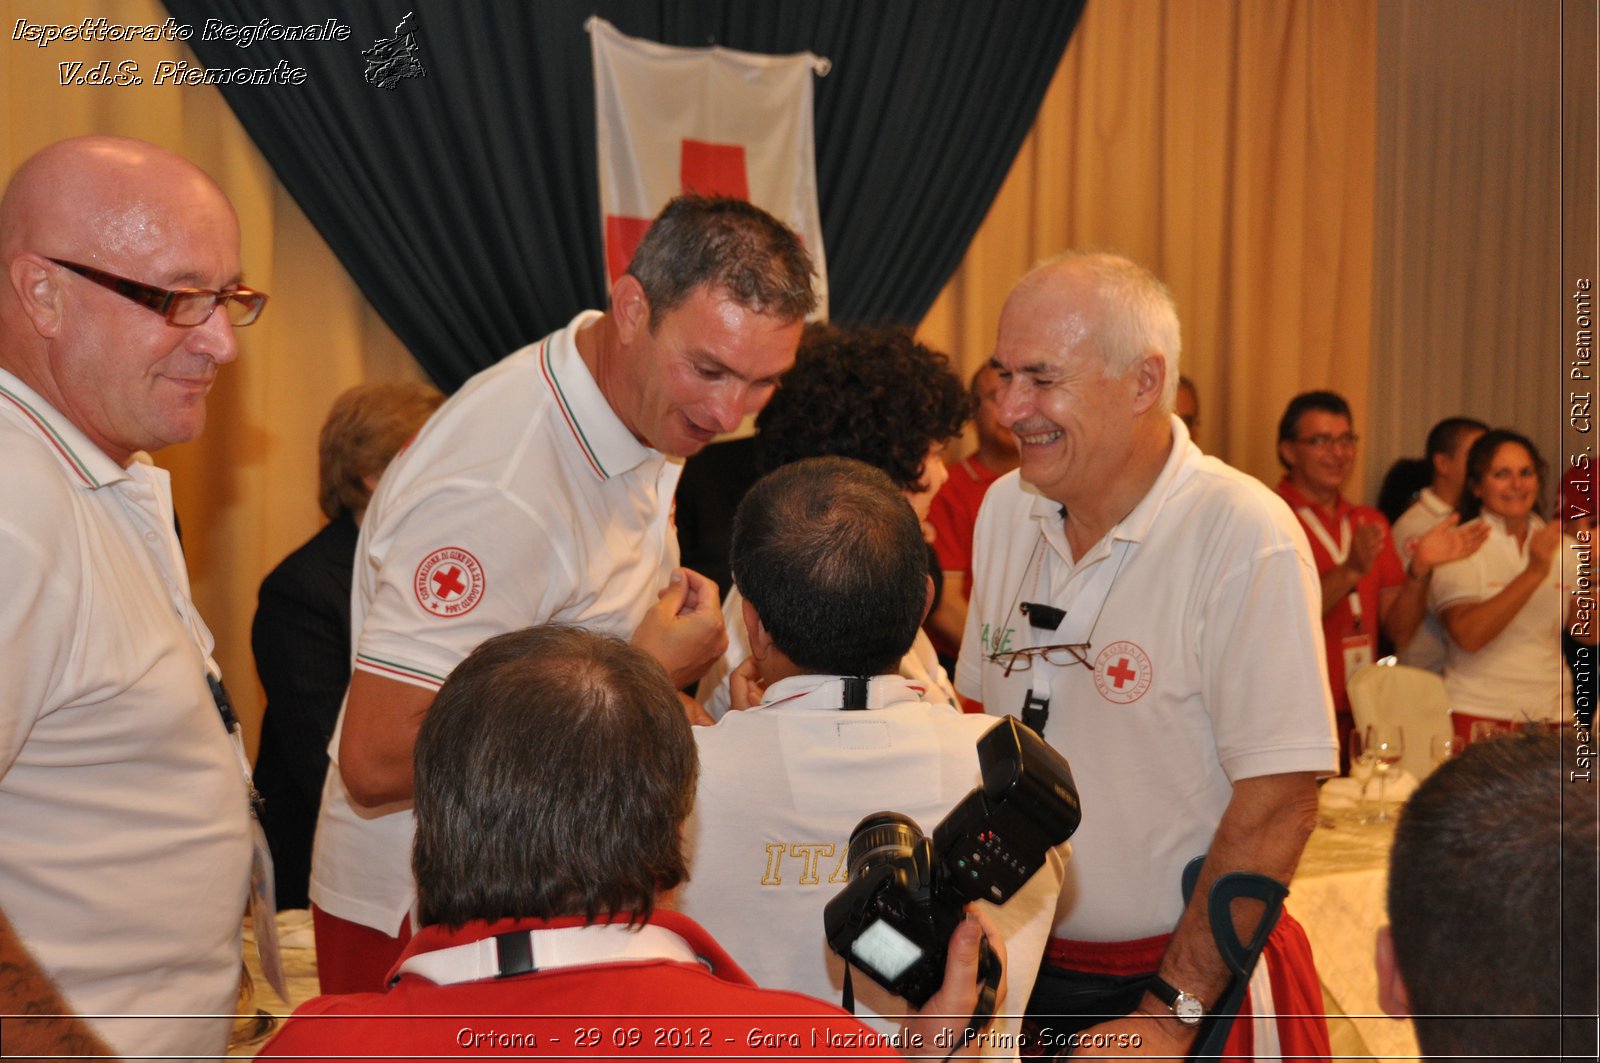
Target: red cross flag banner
707, 120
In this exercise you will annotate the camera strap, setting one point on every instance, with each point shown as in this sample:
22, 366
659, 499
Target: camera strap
1077, 625
855, 692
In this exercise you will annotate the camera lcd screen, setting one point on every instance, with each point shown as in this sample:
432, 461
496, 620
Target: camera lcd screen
885, 950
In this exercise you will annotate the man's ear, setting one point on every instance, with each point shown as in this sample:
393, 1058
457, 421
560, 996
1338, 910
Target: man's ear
629, 308
927, 601
760, 637
1150, 380
1392, 995
38, 291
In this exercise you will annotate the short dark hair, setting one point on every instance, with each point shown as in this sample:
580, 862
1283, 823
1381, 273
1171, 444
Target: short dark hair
1446, 436
1493, 855
365, 428
1482, 454
728, 245
1408, 476
873, 394
1401, 485
832, 558
553, 774
1303, 403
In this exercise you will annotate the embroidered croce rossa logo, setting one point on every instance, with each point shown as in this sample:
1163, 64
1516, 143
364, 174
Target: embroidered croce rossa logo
449, 582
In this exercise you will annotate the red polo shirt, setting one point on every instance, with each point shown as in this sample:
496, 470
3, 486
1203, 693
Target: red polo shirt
661, 1008
1342, 622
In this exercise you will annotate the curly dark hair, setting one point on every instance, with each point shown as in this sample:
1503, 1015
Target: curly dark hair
873, 394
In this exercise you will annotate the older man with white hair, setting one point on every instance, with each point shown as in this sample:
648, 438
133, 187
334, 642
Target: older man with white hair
1154, 613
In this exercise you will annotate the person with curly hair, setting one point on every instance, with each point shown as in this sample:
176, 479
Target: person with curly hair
873, 394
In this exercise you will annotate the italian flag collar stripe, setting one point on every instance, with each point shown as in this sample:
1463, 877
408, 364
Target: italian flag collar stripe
566, 410
54, 438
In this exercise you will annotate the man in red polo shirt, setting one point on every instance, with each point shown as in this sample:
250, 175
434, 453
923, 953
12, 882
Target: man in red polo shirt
955, 510
1365, 588
554, 772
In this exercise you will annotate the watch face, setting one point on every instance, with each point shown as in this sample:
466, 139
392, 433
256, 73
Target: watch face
1188, 1009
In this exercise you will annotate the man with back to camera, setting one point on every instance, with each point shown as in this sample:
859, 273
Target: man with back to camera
554, 774
1153, 613
542, 491
124, 819
1490, 947
1363, 584
1447, 446
833, 568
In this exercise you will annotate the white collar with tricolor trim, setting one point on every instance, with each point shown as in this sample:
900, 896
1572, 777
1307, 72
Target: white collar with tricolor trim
85, 462
604, 441
827, 692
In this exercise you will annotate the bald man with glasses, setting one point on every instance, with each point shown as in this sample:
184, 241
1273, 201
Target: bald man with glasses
125, 833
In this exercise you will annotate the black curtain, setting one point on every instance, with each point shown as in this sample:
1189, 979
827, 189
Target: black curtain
465, 202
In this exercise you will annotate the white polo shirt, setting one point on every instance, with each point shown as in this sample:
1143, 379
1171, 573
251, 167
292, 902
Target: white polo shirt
782, 786
1426, 648
1520, 673
523, 500
124, 825
1207, 660
920, 664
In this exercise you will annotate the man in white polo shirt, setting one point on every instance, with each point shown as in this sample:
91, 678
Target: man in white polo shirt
1446, 457
542, 492
124, 816
834, 570
1154, 613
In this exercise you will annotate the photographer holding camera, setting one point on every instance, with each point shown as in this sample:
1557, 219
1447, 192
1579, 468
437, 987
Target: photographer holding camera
553, 775
832, 565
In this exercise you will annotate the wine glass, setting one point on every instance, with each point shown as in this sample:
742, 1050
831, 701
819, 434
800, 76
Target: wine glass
1443, 747
1362, 762
1386, 744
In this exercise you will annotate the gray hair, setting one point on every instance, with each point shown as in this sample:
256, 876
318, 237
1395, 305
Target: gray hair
1140, 314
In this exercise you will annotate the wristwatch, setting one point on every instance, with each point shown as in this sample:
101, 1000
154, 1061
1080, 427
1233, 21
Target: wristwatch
1186, 1007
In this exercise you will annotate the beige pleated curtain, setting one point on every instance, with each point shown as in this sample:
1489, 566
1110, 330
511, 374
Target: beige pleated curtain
1229, 147
1228, 144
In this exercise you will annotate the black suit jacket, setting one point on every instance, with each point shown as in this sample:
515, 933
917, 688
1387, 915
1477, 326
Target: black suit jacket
301, 639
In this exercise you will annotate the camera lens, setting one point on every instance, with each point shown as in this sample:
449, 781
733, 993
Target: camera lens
882, 836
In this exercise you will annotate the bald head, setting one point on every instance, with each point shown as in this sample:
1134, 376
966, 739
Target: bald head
100, 194
117, 369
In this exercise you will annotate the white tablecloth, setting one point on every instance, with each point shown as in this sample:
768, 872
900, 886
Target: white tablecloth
1337, 894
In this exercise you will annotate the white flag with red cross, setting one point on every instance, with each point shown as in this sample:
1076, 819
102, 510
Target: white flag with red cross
707, 120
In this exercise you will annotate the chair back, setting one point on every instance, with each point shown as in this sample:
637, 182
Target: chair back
1413, 698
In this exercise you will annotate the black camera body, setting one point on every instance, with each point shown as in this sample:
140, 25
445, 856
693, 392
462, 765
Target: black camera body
907, 893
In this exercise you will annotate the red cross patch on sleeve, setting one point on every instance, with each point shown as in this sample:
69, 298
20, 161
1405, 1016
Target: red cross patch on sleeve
449, 582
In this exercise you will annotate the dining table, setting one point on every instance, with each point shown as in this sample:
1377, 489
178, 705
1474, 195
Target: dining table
1338, 895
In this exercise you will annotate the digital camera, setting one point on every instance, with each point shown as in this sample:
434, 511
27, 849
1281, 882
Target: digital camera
906, 894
